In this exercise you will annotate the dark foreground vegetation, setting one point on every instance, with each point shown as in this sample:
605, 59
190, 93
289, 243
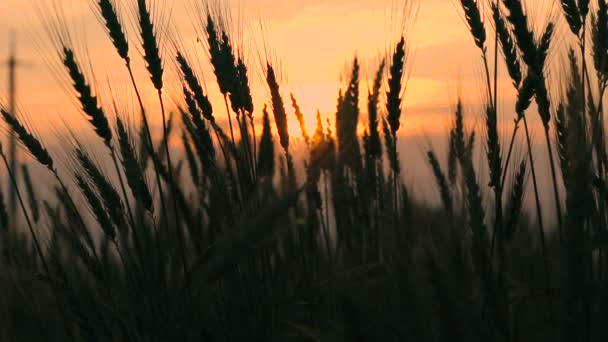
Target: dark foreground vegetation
230, 240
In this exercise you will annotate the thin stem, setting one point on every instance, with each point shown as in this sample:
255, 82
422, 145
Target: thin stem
131, 217
395, 204
504, 172
487, 72
77, 212
27, 216
122, 185
541, 229
583, 75
134, 284
227, 159
498, 191
255, 164
149, 143
558, 207
172, 184
245, 140
326, 205
510, 153
234, 150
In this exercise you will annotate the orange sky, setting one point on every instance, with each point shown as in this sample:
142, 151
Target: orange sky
313, 39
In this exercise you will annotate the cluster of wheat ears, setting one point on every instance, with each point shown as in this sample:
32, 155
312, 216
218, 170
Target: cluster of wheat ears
228, 242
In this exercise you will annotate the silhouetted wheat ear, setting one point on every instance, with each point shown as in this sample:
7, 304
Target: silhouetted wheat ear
236, 95
374, 145
87, 101
111, 198
509, 50
347, 120
468, 150
478, 228
561, 137
472, 15
150, 45
395, 86
245, 89
278, 108
114, 27
523, 36
133, 171
213, 41
600, 40
452, 158
459, 139
494, 157
542, 102
31, 194
96, 206
389, 142
193, 109
583, 8
195, 87
573, 15
266, 154
220, 60
199, 133
32, 144
444, 189
300, 118
544, 46
541, 93
525, 93
229, 61
515, 204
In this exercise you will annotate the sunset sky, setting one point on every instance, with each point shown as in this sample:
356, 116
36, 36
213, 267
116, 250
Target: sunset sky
314, 41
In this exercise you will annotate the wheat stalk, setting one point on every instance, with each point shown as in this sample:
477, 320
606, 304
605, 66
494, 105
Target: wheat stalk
101, 215
278, 108
300, 118
600, 42
202, 101
509, 50
515, 204
33, 145
266, 156
3, 215
37, 244
444, 189
86, 98
108, 193
31, 193
151, 52
573, 14
131, 166
114, 28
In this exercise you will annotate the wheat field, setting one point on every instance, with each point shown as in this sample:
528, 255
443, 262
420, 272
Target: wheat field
221, 224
